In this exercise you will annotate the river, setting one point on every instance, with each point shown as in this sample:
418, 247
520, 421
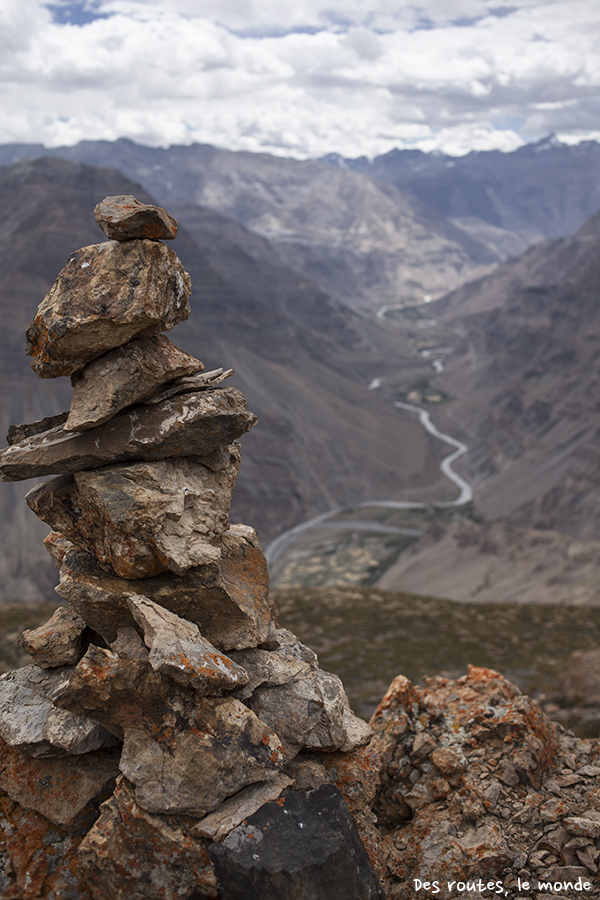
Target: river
287, 538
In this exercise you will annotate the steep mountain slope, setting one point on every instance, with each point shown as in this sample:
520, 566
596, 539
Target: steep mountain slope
365, 243
529, 384
547, 189
302, 360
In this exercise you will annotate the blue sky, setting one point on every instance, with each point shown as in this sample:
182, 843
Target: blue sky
300, 78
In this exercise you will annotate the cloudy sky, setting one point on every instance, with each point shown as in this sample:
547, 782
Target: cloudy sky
300, 77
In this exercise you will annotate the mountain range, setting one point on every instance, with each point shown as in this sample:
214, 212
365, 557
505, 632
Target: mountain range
519, 386
366, 243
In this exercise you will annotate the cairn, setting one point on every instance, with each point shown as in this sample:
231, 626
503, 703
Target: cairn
170, 738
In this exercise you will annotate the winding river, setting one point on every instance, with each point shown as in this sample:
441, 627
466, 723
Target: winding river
287, 538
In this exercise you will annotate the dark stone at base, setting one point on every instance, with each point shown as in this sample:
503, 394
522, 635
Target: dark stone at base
305, 847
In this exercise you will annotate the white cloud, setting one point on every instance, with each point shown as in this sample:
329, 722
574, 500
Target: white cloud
300, 79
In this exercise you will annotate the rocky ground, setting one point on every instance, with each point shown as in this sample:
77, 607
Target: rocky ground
482, 795
466, 790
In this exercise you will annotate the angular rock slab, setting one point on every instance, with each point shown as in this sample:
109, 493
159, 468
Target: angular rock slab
123, 218
58, 642
106, 295
130, 854
120, 689
275, 667
177, 649
126, 375
185, 425
227, 600
141, 518
30, 722
232, 812
304, 847
66, 791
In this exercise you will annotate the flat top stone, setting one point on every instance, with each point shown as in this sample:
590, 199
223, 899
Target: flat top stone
123, 218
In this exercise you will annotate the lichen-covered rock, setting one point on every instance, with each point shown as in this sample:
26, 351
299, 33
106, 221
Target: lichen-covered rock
131, 854
184, 425
199, 758
31, 723
58, 642
67, 791
177, 649
475, 783
141, 518
106, 295
123, 376
39, 859
227, 600
123, 218
184, 753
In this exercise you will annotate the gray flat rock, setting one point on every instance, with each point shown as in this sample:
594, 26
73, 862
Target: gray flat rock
233, 811
187, 425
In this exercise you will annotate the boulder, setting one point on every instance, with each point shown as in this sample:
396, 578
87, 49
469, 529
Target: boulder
30, 722
123, 218
228, 600
177, 649
67, 791
58, 642
185, 425
141, 518
305, 846
106, 295
123, 376
131, 854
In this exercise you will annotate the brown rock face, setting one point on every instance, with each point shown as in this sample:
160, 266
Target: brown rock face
106, 295
227, 600
185, 425
138, 519
58, 642
62, 790
177, 649
123, 376
123, 218
131, 854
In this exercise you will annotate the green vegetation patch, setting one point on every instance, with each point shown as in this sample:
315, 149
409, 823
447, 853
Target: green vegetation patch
368, 636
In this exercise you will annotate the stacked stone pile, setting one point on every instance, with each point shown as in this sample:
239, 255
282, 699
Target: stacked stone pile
164, 707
